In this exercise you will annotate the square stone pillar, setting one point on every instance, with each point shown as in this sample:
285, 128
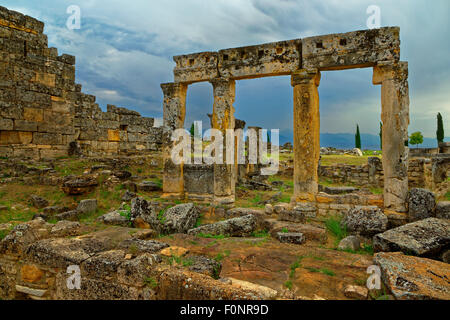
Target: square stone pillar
223, 119
174, 109
395, 117
306, 134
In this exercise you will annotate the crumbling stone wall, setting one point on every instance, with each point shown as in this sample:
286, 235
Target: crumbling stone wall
372, 174
42, 109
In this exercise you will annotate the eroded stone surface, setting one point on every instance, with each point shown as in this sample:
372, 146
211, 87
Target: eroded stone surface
413, 278
426, 238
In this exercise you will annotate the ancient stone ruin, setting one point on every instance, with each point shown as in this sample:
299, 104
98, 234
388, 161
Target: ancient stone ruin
111, 212
43, 112
303, 59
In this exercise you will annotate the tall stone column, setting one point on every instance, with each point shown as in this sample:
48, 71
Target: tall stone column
395, 117
306, 134
174, 109
223, 119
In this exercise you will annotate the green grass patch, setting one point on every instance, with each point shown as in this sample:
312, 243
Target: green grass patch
260, 234
321, 270
151, 282
333, 225
288, 284
211, 236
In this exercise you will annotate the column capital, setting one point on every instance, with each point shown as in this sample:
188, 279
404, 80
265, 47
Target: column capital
223, 86
172, 88
388, 70
305, 76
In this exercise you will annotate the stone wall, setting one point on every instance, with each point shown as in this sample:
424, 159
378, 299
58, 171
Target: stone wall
42, 109
372, 174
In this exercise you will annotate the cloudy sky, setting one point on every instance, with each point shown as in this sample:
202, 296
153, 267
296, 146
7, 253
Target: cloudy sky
124, 51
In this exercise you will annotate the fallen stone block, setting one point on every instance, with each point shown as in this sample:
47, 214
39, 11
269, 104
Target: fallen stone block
350, 243
414, 278
356, 292
38, 202
312, 233
443, 210
205, 265
421, 204
236, 227
117, 218
87, 206
79, 185
290, 237
72, 215
365, 221
180, 218
427, 238
142, 246
65, 228
298, 214
148, 186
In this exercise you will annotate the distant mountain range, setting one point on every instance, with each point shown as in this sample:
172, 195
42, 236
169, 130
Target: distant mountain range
347, 141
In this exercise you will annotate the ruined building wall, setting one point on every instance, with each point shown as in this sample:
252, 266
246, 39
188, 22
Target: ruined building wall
42, 109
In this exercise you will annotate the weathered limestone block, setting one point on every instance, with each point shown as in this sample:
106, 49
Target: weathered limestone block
22, 125
6, 124
426, 238
196, 67
180, 219
198, 180
365, 221
306, 133
223, 119
413, 278
270, 59
351, 50
395, 118
235, 227
421, 204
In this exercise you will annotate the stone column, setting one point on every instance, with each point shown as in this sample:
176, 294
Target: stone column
306, 134
223, 119
395, 117
174, 109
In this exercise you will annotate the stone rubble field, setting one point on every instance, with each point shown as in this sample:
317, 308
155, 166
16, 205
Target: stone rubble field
107, 216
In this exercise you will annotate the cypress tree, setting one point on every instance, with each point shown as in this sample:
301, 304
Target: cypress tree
357, 138
440, 129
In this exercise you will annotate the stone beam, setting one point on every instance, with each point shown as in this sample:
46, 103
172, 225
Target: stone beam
351, 50
306, 134
393, 78
196, 67
270, 59
223, 119
174, 109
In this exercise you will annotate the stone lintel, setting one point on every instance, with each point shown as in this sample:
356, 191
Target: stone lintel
196, 67
269, 59
357, 49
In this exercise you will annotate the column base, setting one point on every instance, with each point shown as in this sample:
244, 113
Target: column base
304, 197
224, 201
172, 196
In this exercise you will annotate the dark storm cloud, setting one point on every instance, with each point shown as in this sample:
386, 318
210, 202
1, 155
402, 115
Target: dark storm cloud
124, 52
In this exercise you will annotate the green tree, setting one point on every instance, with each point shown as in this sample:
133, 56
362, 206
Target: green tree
416, 138
192, 130
381, 135
357, 138
268, 137
440, 129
